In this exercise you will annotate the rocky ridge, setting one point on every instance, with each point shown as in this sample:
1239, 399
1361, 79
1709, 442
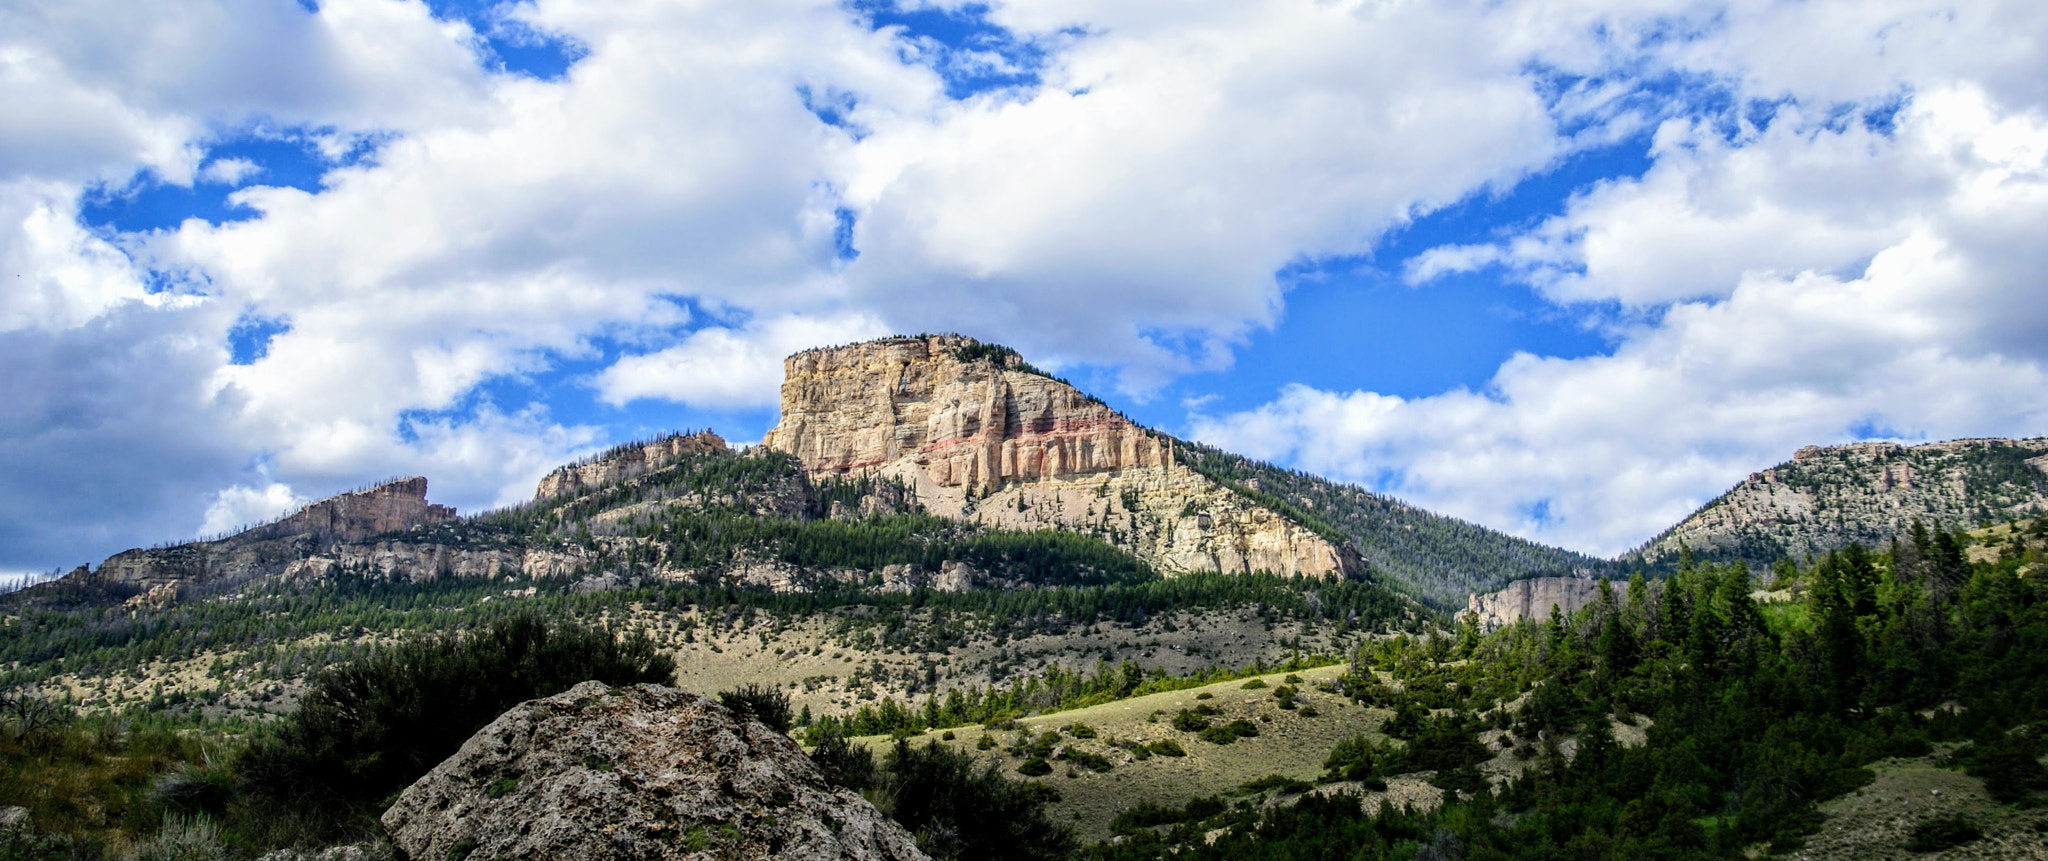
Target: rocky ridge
1825, 498
979, 435
624, 462
646, 772
390, 507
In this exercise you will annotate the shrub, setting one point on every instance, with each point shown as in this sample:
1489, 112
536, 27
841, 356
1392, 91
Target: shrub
1167, 747
370, 728
189, 791
193, 838
1360, 758
1089, 760
959, 811
1230, 732
1081, 730
1286, 785
769, 706
844, 763
1034, 767
1188, 721
2009, 767
1946, 832
1253, 685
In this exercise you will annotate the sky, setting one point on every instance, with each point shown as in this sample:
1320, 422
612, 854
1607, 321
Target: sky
1566, 268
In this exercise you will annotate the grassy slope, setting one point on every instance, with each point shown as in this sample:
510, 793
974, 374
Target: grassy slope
1290, 745
1875, 822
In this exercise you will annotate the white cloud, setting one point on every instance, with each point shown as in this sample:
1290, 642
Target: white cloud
1131, 211
229, 171
1844, 281
724, 368
1175, 159
57, 274
239, 506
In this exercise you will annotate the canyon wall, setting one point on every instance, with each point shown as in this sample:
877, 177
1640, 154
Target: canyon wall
1531, 599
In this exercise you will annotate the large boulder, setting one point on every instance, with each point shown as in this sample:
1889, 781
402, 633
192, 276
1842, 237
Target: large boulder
642, 772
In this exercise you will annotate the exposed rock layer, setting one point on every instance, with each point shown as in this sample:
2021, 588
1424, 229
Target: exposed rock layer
1827, 498
644, 772
624, 462
979, 435
390, 507
1529, 599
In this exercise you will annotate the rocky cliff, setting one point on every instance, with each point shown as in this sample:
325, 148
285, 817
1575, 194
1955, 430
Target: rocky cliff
980, 435
268, 549
1531, 599
624, 462
645, 772
1826, 498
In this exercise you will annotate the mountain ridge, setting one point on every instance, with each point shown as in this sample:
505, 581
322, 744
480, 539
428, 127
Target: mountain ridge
1827, 497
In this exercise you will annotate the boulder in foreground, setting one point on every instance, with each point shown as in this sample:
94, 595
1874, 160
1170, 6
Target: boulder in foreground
640, 772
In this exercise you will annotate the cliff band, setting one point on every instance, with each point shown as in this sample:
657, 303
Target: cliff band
979, 435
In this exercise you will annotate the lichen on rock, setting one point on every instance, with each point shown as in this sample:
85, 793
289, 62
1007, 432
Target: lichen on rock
641, 772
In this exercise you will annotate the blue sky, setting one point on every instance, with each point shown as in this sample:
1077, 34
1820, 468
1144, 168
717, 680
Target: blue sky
1564, 269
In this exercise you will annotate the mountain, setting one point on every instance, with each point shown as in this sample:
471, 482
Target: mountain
1437, 558
960, 446
392, 506
1863, 493
977, 433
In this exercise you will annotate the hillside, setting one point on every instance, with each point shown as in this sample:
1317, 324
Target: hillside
1826, 498
1437, 558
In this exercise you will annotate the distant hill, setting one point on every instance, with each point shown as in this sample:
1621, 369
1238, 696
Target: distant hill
1437, 558
1829, 497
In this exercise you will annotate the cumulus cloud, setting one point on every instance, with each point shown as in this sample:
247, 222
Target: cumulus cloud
229, 171
1174, 159
1814, 285
1128, 206
239, 506
728, 368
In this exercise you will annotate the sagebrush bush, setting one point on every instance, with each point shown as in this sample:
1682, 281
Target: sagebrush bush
768, 705
368, 729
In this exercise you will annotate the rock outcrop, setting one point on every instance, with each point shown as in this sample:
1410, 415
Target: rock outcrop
1531, 599
393, 506
625, 462
420, 561
979, 435
644, 772
1826, 498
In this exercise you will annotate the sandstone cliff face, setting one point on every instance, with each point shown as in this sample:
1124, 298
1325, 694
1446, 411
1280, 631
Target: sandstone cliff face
390, 507
1827, 498
417, 562
979, 436
625, 462
644, 772
1531, 599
